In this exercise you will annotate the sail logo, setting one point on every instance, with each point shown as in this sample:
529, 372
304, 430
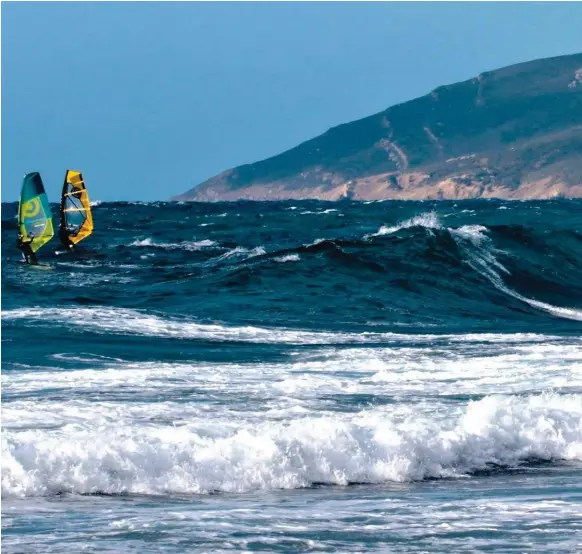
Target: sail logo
31, 208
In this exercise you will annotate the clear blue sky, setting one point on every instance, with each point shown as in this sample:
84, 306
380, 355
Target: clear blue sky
148, 99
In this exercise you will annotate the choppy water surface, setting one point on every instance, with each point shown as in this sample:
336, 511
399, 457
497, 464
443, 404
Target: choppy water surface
390, 376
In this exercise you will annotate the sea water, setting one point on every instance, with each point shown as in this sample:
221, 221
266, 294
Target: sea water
296, 377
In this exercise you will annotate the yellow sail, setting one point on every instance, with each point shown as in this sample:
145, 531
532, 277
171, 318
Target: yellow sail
76, 218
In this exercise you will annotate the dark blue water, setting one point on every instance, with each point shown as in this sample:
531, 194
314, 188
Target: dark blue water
388, 376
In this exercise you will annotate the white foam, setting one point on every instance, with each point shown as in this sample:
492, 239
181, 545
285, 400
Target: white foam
474, 233
558, 311
428, 220
125, 321
241, 252
184, 245
308, 379
316, 242
287, 258
322, 212
369, 447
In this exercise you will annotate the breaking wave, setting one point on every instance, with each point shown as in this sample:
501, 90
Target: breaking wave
427, 220
492, 433
479, 252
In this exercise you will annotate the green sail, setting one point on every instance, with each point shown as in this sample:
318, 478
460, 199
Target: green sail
34, 213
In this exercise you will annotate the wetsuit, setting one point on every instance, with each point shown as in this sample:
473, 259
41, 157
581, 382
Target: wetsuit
26, 246
65, 240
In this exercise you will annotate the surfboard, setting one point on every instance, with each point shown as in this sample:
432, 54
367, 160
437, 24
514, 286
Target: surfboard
39, 265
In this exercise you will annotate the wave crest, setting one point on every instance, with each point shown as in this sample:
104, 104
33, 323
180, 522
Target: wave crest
372, 447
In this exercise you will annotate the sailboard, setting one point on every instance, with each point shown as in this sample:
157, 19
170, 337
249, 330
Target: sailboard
35, 222
76, 222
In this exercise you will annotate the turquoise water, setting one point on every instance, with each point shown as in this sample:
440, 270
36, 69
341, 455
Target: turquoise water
390, 376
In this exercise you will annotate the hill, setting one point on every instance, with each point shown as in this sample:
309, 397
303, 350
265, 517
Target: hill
515, 132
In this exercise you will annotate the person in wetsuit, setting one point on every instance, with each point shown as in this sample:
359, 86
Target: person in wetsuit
66, 231
65, 238
26, 246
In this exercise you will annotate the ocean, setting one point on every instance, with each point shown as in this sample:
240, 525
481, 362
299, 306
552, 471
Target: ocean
296, 377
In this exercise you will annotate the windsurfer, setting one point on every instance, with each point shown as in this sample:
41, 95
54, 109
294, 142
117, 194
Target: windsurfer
66, 242
65, 238
25, 244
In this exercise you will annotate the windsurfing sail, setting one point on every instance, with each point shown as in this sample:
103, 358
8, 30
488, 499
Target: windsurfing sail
76, 219
35, 221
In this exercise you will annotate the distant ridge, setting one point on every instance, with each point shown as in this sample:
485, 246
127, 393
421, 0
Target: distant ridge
515, 132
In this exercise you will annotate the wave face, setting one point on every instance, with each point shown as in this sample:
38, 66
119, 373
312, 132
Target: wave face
240, 363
